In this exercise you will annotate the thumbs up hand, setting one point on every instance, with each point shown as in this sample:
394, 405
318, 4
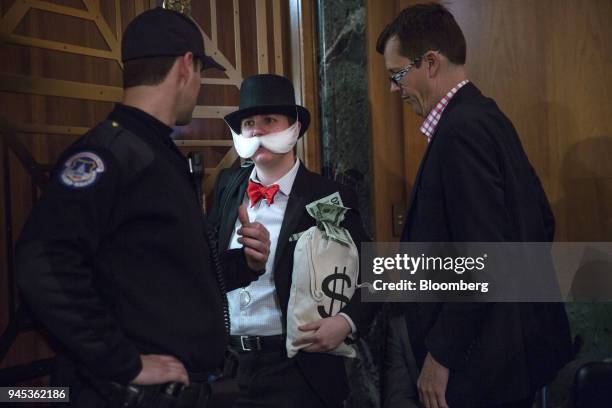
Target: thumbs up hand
256, 240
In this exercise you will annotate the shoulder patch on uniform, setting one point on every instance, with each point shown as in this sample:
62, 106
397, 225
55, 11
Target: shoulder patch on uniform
82, 170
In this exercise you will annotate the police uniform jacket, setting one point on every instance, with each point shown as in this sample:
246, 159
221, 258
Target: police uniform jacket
114, 259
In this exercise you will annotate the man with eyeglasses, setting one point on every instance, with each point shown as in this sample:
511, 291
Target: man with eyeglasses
475, 184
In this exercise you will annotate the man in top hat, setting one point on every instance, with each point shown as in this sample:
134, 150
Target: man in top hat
276, 187
114, 259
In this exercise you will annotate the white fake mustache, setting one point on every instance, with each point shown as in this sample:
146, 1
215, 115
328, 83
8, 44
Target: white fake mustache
277, 142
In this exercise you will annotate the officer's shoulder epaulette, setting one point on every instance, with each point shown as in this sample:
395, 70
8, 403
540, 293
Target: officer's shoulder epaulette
103, 134
131, 152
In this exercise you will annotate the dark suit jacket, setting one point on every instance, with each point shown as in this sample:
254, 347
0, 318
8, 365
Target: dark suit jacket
475, 184
325, 373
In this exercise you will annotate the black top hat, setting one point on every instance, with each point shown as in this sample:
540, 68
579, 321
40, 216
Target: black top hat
164, 33
267, 93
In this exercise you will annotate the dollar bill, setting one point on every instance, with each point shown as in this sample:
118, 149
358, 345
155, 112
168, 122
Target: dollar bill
328, 209
337, 234
313, 211
331, 213
334, 199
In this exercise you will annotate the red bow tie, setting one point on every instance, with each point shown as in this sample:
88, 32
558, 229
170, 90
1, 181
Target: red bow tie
256, 192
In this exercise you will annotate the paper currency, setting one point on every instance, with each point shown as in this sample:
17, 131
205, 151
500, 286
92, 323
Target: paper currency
337, 234
329, 212
328, 209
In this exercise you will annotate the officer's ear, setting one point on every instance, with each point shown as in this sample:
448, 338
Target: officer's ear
187, 66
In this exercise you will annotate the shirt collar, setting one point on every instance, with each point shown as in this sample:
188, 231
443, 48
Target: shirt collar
285, 183
429, 126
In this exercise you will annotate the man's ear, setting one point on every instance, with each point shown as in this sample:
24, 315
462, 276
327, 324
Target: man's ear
185, 66
432, 62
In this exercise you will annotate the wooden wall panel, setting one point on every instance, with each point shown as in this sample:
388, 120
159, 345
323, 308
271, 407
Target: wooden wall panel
248, 40
547, 65
46, 25
389, 184
304, 69
226, 38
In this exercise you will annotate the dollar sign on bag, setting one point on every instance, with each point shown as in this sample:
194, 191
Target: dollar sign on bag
331, 281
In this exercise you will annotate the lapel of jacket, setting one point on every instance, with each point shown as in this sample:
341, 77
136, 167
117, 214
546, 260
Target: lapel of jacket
235, 190
298, 198
466, 91
415, 189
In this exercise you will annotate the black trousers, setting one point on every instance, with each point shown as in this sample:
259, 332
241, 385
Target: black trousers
269, 379
524, 403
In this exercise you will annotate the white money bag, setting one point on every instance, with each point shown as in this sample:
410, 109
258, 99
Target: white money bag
324, 279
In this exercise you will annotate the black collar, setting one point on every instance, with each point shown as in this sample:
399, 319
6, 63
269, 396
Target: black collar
141, 123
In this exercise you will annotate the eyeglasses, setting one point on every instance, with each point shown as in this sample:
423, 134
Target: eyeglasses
399, 75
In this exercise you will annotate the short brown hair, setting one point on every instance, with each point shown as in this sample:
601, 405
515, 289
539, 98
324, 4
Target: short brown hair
425, 27
149, 70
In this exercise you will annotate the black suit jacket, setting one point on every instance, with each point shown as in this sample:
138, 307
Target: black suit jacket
324, 372
475, 184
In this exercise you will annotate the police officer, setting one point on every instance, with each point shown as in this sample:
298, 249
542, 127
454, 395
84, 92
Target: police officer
115, 259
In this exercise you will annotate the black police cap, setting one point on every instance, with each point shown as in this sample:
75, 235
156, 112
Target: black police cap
161, 32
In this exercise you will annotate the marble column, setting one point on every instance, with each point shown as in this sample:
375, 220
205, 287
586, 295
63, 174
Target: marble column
345, 137
346, 151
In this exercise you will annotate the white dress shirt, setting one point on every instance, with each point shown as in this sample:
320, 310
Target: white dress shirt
262, 315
